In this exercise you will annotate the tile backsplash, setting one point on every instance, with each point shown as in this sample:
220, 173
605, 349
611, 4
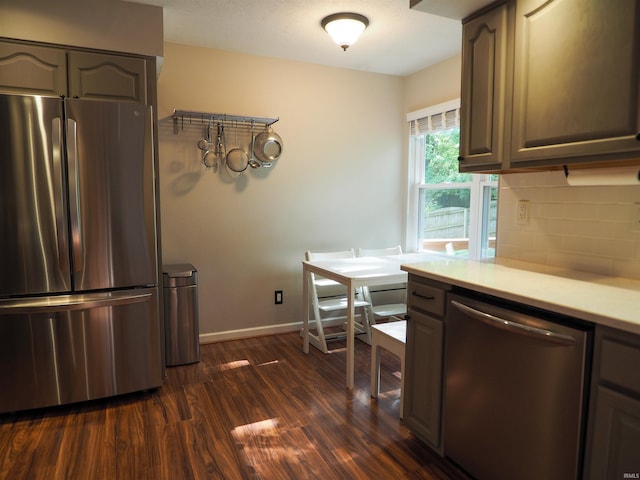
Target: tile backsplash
594, 229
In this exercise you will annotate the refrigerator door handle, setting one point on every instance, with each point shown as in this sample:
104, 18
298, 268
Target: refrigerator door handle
74, 195
66, 303
59, 204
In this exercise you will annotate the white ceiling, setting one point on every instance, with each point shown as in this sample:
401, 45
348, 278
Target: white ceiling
398, 41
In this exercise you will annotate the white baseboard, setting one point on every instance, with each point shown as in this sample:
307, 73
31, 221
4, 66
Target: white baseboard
262, 331
249, 332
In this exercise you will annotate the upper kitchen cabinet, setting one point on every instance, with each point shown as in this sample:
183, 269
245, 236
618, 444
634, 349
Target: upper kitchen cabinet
576, 91
107, 77
32, 69
485, 89
40, 70
572, 90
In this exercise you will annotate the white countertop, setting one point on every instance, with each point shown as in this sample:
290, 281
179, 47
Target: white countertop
611, 301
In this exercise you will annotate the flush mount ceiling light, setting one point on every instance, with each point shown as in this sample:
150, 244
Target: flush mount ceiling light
345, 28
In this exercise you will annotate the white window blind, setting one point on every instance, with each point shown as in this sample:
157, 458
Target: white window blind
435, 122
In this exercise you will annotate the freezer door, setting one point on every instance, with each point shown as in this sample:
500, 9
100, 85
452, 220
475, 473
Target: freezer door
71, 348
34, 249
111, 194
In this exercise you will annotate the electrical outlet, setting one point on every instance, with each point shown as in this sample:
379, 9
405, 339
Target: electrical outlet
278, 297
522, 212
635, 217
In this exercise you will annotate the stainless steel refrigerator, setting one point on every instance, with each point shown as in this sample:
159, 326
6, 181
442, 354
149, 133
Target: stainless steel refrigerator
79, 313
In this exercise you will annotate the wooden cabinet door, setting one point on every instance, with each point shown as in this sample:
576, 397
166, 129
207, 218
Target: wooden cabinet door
616, 439
484, 89
423, 373
32, 70
107, 77
576, 86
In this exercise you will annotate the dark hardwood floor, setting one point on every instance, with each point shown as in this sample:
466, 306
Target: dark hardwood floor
250, 409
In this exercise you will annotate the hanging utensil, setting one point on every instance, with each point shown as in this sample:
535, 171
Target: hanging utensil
205, 142
221, 147
253, 163
209, 158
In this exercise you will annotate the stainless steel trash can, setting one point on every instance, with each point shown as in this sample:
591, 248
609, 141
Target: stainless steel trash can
182, 344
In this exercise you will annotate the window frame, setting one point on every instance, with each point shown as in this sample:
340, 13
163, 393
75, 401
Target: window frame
479, 189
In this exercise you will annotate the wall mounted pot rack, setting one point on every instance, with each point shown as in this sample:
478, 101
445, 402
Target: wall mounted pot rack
250, 134
182, 118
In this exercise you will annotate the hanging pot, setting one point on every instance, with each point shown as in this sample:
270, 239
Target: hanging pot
267, 146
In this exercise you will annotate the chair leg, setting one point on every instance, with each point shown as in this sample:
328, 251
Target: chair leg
375, 370
319, 340
365, 325
402, 386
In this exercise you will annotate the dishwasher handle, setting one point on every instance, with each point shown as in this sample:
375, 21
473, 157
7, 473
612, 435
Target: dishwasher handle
514, 327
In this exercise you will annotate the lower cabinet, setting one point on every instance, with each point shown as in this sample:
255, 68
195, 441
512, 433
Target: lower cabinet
423, 369
423, 359
613, 435
612, 447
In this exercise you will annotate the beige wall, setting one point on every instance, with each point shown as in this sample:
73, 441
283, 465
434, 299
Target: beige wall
338, 184
431, 86
101, 24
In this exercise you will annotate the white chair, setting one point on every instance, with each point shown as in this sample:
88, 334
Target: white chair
392, 336
328, 297
387, 310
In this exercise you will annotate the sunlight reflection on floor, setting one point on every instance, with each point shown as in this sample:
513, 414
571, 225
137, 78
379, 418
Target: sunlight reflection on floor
266, 446
230, 365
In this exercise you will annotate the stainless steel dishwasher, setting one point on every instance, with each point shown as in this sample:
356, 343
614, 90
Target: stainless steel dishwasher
514, 391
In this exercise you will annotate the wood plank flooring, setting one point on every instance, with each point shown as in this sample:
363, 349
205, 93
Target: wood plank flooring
250, 409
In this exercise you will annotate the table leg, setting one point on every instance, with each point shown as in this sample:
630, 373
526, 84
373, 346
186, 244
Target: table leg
350, 336
305, 310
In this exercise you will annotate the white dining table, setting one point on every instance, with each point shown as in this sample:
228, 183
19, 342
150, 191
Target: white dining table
353, 273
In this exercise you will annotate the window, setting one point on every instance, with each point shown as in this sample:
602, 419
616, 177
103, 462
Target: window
449, 212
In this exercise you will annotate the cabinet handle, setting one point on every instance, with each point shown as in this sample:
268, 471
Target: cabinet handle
424, 297
638, 136
461, 158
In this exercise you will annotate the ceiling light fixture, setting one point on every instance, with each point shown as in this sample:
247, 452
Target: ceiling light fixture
345, 28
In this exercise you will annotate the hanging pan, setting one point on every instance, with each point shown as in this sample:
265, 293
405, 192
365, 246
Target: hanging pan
267, 146
237, 158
